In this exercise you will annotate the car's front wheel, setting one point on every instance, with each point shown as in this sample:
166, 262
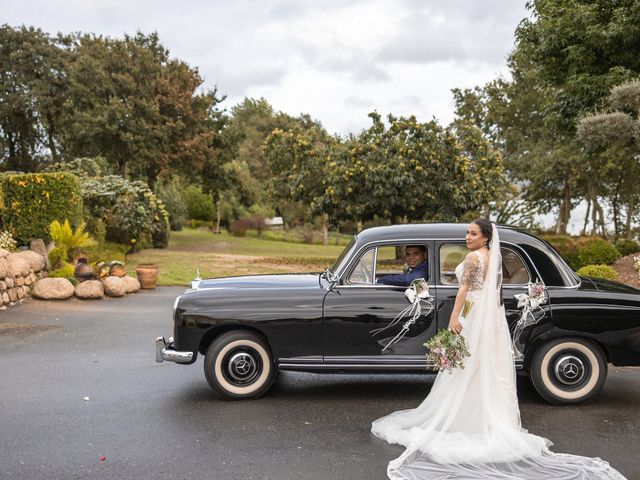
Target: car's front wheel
566, 371
238, 365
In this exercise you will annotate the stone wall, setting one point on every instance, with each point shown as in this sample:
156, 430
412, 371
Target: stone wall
18, 272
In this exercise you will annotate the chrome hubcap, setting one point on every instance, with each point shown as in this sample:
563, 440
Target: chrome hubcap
242, 367
569, 370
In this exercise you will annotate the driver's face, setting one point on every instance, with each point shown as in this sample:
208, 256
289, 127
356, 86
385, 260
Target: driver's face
414, 256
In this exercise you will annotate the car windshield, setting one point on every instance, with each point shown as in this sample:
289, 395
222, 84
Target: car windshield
345, 254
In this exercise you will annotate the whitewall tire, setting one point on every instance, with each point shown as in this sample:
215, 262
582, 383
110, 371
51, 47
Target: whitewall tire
568, 370
238, 365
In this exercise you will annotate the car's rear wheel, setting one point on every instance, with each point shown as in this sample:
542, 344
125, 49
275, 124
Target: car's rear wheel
568, 371
238, 365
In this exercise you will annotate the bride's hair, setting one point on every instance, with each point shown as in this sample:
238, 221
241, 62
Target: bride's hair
485, 228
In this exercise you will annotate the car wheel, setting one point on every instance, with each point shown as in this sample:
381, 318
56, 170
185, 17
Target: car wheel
566, 371
238, 365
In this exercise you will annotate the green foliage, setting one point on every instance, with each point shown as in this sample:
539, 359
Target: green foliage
200, 205
596, 252
58, 257
106, 252
626, 246
66, 271
68, 241
132, 213
172, 194
598, 271
34, 91
30, 202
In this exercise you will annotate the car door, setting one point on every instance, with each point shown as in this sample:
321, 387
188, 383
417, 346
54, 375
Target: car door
358, 314
516, 271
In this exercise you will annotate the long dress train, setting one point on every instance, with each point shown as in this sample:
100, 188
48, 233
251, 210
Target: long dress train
469, 425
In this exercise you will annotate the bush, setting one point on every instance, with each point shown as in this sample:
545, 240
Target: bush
596, 252
66, 271
240, 227
626, 246
200, 206
598, 271
67, 241
30, 202
172, 195
132, 213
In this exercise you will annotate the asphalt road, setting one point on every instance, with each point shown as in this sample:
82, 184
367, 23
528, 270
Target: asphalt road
144, 420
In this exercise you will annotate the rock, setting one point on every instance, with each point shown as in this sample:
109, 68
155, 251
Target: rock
20, 292
18, 266
13, 295
114, 286
36, 261
5, 298
37, 245
9, 281
53, 289
3, 285
4, 253
131, 284
90, 289
4, 267
19, 281
27, 280
33, 277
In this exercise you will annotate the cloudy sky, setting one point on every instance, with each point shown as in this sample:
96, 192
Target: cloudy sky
334, 59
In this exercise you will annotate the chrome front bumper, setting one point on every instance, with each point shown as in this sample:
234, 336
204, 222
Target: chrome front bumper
165, 351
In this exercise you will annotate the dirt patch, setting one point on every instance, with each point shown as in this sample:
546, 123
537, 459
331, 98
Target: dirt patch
626, 271
7, 329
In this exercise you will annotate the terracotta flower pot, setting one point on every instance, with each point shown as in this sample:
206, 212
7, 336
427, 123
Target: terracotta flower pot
147, 275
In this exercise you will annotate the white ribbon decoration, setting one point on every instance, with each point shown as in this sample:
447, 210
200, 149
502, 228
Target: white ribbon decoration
418, 291
529, 304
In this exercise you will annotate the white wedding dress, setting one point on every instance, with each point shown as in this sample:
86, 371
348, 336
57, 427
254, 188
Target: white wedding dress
469, 426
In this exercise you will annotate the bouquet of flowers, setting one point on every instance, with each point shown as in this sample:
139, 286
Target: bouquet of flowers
447, 350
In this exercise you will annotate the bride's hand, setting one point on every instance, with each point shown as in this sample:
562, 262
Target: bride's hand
455, 326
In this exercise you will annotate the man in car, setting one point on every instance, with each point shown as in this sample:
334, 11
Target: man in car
416, 257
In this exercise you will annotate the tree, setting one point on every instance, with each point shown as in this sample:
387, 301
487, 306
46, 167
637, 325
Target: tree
612, 141
33, 91
140, 109
412, 171
298, 159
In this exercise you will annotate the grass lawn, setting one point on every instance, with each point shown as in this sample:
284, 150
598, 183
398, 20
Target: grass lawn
223, 255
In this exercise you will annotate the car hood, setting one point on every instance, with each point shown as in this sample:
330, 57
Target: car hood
608, 285
262, 281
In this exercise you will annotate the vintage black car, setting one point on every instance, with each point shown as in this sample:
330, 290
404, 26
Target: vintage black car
250, 327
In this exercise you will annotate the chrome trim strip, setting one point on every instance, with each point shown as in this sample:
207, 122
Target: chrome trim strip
165, 351
295, 364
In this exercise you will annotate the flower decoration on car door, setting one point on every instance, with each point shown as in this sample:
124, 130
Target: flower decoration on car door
417, 294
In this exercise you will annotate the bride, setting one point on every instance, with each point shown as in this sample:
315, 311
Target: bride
469, 426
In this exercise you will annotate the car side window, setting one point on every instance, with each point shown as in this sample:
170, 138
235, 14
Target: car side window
514, 272
450, 256
390, 260
363, 271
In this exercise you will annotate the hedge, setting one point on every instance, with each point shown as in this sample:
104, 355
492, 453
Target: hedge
29, 202
598, 271
627, 246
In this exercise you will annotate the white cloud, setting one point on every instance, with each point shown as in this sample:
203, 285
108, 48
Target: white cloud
336, 60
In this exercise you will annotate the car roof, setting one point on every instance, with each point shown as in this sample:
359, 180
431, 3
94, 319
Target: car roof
438, 230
